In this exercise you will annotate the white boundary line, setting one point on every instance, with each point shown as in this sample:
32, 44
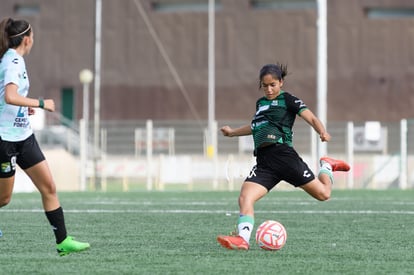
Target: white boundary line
190, 211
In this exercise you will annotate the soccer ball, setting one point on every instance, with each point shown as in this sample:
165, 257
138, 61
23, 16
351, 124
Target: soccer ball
271, 235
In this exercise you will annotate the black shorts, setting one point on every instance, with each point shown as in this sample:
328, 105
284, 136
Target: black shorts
24, 153
279, 162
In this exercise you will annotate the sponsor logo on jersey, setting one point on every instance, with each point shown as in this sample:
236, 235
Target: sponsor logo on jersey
301, 103
262, 108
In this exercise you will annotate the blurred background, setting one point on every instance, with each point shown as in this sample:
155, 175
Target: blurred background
142, 87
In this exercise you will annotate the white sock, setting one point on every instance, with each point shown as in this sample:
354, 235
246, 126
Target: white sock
245, 230
326, 165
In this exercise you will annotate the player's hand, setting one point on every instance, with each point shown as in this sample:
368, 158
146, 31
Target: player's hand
49, 105
227, 131
325, 136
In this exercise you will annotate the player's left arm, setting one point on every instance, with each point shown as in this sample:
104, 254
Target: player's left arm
316, 124
11, 96
297, 106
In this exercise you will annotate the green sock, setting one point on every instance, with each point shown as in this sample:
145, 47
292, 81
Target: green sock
328, 172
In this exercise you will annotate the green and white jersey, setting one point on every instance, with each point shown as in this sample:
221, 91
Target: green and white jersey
14, 120
274, 119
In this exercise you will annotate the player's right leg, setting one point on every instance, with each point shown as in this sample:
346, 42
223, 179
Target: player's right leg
320, 188
6, 190
7, 171
336, 164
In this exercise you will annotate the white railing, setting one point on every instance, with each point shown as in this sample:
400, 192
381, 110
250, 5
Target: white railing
387, 162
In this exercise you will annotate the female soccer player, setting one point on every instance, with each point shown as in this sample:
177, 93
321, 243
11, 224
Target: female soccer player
276, 159
18, 145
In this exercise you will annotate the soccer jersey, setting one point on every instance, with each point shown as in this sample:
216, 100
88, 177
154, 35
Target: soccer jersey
14, 120
274, 119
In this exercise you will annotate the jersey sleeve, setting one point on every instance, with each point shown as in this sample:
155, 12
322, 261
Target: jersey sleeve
294, 104
258, 104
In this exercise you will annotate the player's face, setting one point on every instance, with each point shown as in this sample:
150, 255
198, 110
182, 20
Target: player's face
271, 86
28, 42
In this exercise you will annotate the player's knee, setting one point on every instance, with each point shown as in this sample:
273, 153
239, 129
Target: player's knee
323, 196
49, 189
245, 202
242, 199
4, 200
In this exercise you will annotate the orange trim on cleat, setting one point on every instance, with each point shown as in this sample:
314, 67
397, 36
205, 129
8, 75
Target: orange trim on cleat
233, 242
337, 165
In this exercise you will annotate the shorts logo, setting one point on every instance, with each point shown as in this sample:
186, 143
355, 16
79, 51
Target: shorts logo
306, 174
6, 167
252, 172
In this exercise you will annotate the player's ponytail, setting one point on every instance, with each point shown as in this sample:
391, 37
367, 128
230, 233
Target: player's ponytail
4, 36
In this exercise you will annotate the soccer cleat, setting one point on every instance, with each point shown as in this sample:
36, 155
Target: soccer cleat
337, 165
69, 245
233, 242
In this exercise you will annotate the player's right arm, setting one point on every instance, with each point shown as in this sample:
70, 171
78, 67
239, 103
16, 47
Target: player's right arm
241, 131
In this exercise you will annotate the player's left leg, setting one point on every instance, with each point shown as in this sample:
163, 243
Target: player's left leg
249, 194
42, 179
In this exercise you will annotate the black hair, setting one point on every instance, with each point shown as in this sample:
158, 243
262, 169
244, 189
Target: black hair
278, 71
12, 33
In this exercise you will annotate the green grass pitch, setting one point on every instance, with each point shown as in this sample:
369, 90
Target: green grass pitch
174, 232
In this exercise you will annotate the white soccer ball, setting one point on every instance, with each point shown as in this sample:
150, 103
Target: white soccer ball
271, 235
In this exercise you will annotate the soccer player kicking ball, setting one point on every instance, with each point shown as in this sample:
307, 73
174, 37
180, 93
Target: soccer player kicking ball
276, 159
18, 145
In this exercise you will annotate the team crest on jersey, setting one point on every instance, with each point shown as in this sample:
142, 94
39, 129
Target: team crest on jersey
274, 103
